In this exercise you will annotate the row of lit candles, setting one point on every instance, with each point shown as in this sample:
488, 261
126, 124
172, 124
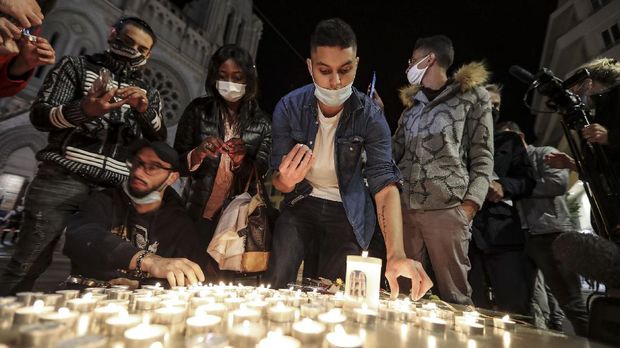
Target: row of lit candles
239, 311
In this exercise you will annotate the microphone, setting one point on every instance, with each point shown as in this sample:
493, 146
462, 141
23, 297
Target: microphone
590, 256
521, 74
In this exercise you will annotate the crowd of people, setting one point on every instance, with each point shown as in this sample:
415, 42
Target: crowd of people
454, 200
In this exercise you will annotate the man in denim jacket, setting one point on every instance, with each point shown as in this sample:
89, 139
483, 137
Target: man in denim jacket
319, 133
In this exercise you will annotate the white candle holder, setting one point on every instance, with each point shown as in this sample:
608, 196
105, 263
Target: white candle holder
309, 332
145, 335
246, 335
363, 279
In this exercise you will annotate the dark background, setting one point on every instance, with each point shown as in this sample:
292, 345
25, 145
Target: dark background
501, 33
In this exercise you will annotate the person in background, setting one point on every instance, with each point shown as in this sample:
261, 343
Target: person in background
221, 138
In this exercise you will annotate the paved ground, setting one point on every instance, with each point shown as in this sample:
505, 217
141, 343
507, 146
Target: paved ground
57, 272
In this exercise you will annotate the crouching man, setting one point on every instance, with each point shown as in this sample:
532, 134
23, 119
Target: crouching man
137, 231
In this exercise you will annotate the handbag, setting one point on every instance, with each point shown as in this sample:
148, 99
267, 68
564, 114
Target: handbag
242, 238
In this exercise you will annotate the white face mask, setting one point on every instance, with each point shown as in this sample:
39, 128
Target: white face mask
230, 91
151, 197
333, 97
415, 74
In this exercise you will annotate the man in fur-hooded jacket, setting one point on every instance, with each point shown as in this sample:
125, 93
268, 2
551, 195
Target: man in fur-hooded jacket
444, 149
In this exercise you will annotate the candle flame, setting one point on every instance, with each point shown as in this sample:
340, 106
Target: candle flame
506, 318
246, 324
123, 314
88, 296
365, 253
471, 343
63, 311
364, 306
38, 304
157, 285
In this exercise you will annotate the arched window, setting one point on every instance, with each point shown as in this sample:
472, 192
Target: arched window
229, 25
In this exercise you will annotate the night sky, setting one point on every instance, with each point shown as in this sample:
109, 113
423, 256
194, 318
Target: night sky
502, 33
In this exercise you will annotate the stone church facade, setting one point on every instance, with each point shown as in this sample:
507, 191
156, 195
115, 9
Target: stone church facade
177, 68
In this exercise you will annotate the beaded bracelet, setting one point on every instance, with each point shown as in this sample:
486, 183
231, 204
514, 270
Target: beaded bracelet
138, 271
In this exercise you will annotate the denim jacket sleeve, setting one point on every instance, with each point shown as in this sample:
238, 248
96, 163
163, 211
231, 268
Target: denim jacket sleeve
282, 141
381, 170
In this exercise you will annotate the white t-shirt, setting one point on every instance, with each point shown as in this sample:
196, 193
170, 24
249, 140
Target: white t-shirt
322, 175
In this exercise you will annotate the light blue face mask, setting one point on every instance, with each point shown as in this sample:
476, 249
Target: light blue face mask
333, 97
152, 197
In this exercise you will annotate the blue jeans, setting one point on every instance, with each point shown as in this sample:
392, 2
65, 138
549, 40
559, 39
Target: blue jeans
52, 197
312, 224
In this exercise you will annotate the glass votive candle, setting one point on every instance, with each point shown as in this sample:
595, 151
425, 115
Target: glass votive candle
246, 335
145, 335
40, 335
276, 339
86, 304
27, 298
64, 317
311, 310
364, 315
115, 326
258, 305
30, 315
244, 313
341, 339
218, 309
203, 324
90, 341
332, 318
281, 313
309, 332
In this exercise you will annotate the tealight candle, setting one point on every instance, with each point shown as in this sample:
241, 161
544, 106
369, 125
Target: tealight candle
233, 303
63, 316
27, 298
433, 324
281, 313
244, 313
40, 335
332, 318
311, 310
84, 342
309, 332
147, 303
116, 326
203, 324
155, 289
364, 315
363, 278
338, 299
102, 314
30, 315
390, 314
246, 335
7, 313
69, 294
145, 335
213, 308
51, 300
94, 291
340, 339
504, 323
468, 325
7, 300
169, 315
276, 339
85, 304
258, 305
119, 294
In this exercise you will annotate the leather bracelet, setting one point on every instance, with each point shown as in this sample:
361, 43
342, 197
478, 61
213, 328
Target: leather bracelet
138, 271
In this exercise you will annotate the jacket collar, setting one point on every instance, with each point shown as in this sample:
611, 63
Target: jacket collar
466, 78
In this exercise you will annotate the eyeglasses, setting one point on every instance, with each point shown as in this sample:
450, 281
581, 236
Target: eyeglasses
149, 168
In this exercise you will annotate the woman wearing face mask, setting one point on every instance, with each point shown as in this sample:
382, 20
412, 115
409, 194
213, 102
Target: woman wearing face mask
221, 137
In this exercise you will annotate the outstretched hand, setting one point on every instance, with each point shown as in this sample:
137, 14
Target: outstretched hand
420, 282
